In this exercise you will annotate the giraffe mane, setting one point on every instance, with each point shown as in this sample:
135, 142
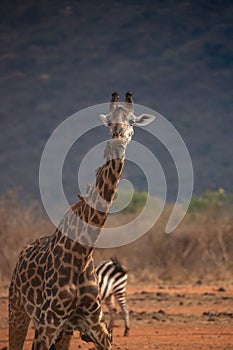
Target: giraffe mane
76, 205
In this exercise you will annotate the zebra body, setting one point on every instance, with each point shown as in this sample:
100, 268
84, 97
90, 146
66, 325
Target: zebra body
112, 277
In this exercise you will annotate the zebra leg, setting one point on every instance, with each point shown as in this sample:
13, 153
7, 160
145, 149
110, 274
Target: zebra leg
112, 311
121, 298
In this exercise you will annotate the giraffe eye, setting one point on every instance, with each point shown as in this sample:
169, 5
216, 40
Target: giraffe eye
109, 124
131, 122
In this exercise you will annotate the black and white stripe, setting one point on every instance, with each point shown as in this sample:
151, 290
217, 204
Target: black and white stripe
112, 277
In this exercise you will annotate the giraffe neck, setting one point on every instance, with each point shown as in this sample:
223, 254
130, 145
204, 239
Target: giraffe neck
84, 220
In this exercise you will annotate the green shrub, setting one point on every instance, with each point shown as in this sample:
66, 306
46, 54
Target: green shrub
137, 202
210, 199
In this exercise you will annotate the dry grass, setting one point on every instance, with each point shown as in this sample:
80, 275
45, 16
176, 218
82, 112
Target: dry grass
19, 225
200, 249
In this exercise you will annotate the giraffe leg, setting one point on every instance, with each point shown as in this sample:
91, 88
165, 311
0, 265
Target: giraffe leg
63, 343
44, 338
99, 335
18, 326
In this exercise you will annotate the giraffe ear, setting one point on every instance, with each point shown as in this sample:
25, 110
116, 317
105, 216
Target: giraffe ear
105, 119
144, 119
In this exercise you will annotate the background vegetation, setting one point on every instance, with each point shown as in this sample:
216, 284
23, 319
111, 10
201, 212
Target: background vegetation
201, 248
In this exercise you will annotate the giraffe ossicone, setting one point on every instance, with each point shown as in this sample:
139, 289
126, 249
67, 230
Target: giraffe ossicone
54, 282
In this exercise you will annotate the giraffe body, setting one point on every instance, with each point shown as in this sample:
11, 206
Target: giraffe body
58, 292
54, 283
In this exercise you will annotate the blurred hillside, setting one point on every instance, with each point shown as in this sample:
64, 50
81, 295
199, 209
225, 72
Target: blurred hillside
58, 57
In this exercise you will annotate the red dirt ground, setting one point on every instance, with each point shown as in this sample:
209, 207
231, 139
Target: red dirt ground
163, 317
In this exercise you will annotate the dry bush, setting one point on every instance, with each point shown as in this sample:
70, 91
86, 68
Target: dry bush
19, 224
201, 248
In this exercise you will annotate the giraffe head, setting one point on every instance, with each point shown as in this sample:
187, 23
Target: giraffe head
121, 118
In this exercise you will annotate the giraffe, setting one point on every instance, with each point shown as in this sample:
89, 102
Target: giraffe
54, 283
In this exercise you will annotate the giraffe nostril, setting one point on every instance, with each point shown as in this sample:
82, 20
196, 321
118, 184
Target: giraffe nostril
115, 134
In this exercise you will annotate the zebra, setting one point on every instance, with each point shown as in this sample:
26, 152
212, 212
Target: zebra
112, 278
